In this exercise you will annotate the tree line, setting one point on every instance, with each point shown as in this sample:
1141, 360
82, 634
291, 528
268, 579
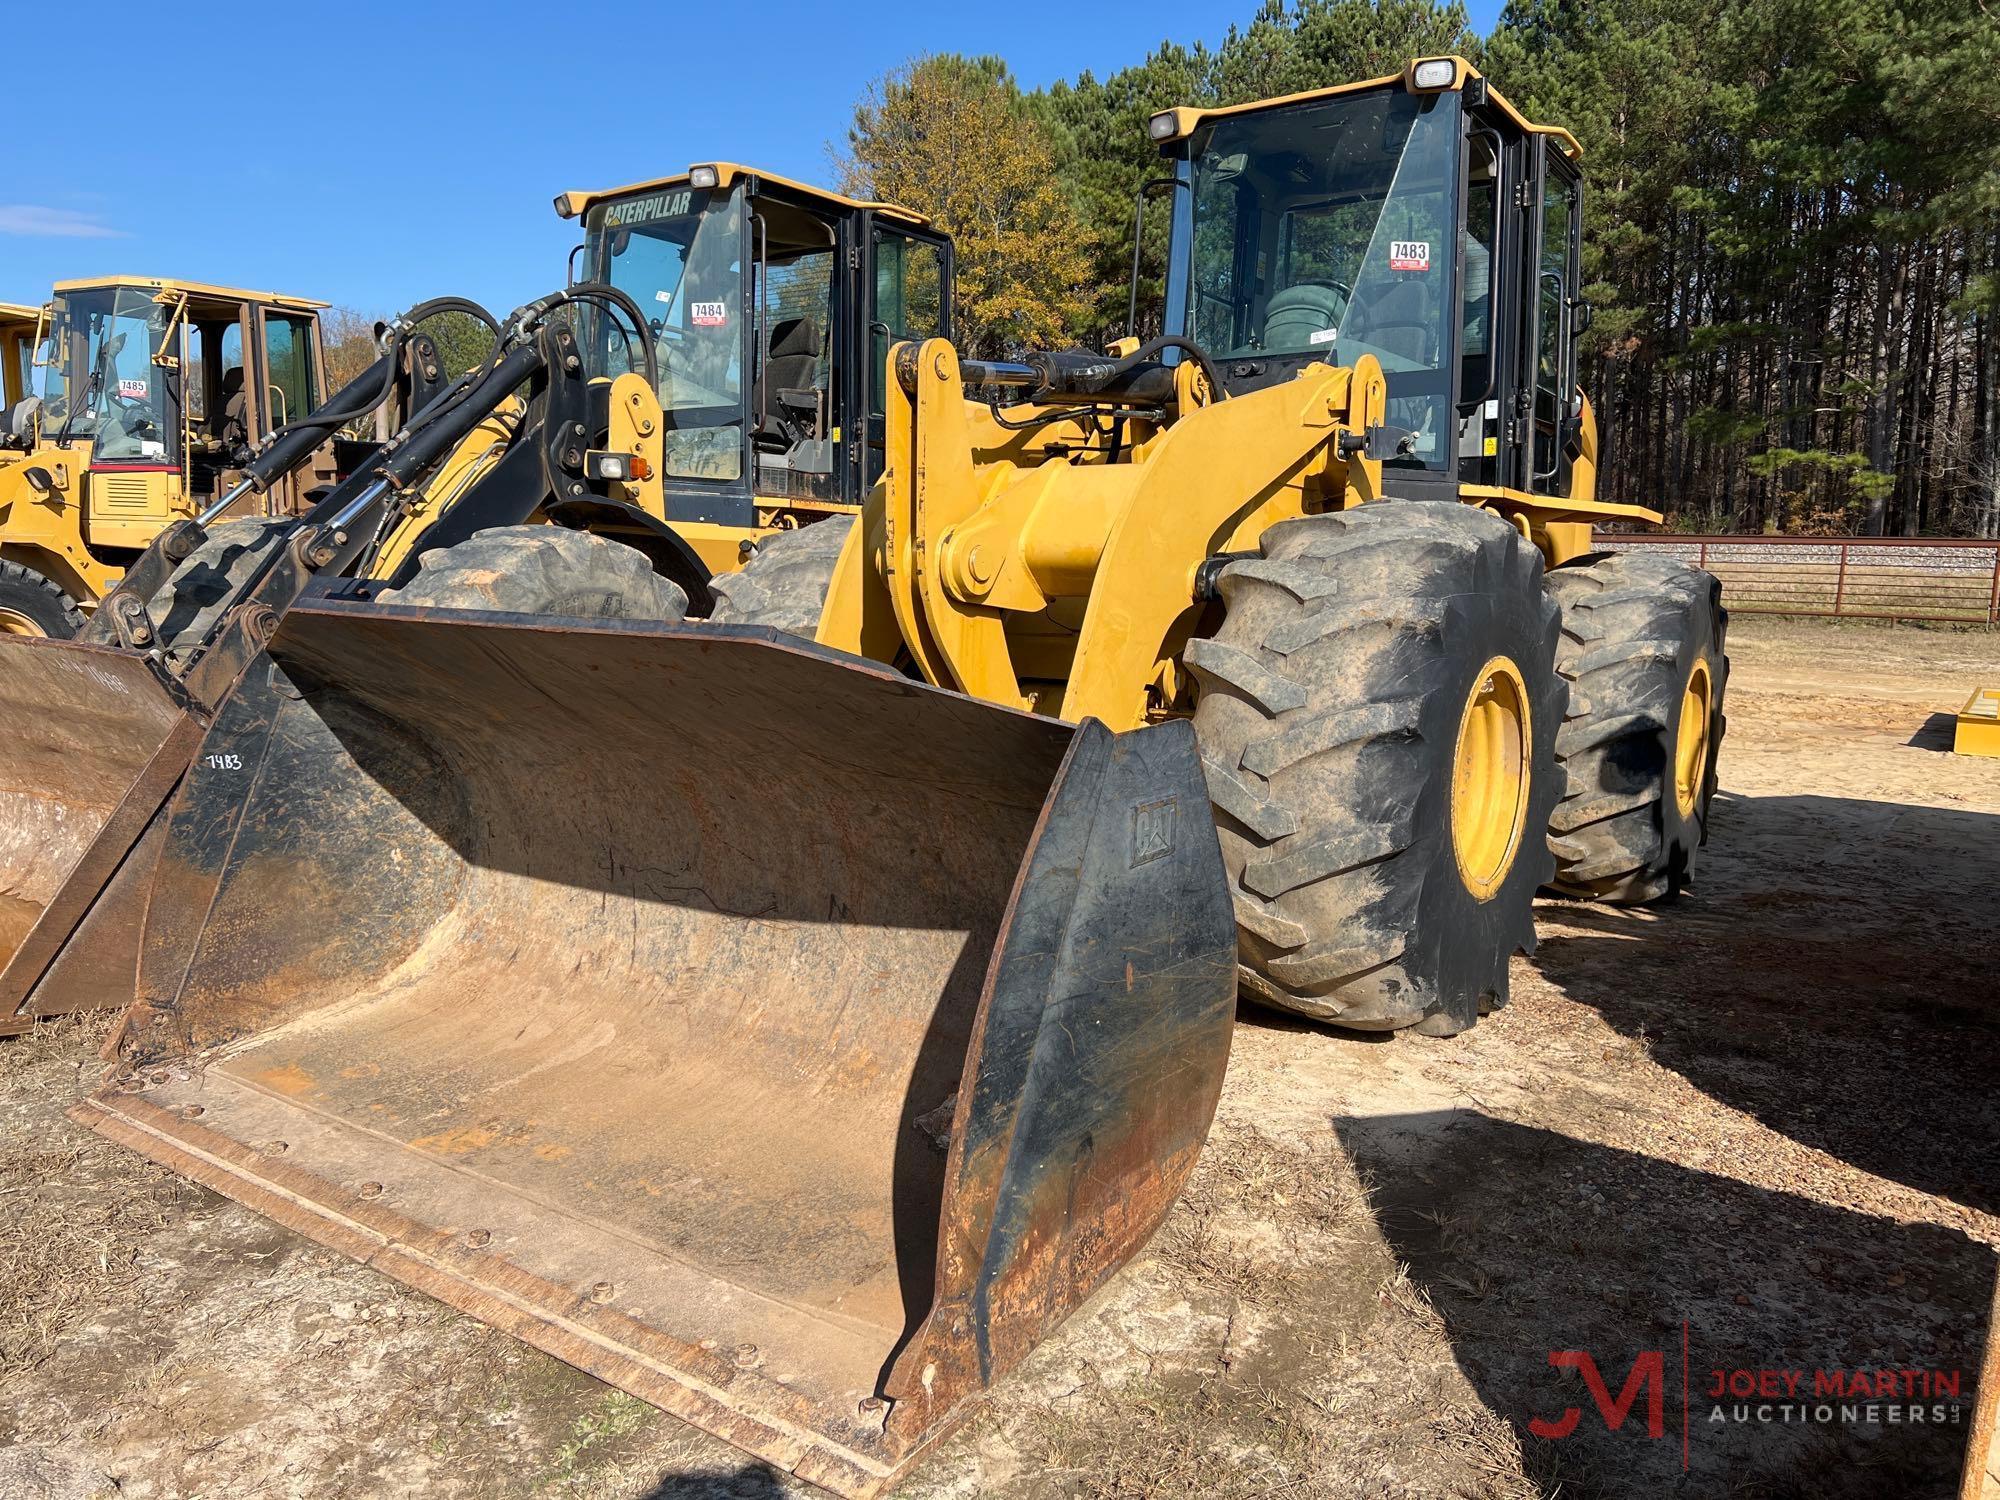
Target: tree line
1792, 225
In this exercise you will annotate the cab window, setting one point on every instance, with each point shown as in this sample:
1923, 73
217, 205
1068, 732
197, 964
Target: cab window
288, 358
909, 299
1554, 344
1326, 232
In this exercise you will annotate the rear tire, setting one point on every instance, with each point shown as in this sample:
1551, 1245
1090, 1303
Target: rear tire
1383, 862
542, 570
785, 583
1643, 652
35, 606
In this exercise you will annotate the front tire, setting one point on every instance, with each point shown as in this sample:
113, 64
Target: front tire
210, 581
785, 583
1378, 715
35, 606
542, 570
1643, 651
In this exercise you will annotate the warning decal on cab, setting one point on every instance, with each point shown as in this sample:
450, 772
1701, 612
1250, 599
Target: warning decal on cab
708, 314
1409, 255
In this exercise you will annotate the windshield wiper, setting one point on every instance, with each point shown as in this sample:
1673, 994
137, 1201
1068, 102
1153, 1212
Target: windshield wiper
90, 393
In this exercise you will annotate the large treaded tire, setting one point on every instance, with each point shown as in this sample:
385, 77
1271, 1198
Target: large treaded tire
785, 582
194, 597
1331, 704
542, 570
35, 605
1634, 630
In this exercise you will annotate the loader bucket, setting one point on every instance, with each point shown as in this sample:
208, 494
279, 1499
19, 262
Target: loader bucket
91, 746
789, 1043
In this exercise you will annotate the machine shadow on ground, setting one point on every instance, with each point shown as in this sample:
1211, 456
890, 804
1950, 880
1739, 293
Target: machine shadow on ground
1528, 1241
751, 1482
1848, 945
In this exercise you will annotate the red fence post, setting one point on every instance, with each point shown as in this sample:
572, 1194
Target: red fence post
1840, 583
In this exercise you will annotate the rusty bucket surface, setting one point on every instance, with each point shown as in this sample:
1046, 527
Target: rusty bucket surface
789, 1043
91, 746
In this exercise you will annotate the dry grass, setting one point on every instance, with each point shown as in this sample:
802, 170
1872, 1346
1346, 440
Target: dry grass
1739, 1112
75, 1213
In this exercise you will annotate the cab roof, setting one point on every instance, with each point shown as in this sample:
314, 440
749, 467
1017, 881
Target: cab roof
157, 284
19, 312
571, 205
1187, 120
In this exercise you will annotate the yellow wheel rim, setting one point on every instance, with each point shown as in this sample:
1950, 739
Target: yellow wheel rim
13, 622
1489, 777
1691, 739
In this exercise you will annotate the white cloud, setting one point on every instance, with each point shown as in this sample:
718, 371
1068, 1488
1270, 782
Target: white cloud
64, 223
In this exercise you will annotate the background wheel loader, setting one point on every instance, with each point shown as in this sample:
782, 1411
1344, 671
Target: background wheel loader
794, 1033
17, 358
154, 393
645, 432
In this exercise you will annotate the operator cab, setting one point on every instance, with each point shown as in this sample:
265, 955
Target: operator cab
157, 377
17, 375
770, 307
1417, 219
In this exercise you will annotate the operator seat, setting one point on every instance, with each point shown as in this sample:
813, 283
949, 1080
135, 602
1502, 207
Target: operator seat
1399, 321
1294, 315
228, 423
792, 410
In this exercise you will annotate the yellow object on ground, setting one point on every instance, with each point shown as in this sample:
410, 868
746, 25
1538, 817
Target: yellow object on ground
1979, 724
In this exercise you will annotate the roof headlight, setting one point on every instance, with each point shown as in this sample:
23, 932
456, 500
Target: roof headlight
1434, 73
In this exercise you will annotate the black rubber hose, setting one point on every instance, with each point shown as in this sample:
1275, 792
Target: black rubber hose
333, 412
1189, 347
290, 444
530, 314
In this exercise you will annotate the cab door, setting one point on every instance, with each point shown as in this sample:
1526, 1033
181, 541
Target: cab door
904, 292
287, 388
1551, 270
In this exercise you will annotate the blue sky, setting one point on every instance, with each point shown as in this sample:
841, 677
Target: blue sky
385, 153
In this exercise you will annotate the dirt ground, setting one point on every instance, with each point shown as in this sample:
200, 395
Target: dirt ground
1762, 1120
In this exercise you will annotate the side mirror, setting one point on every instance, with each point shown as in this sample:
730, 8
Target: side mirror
1580, 313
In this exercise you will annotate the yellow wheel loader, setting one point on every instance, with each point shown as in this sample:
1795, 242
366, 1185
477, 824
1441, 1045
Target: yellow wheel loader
794, 1032
17, 358
659, 444
154, 393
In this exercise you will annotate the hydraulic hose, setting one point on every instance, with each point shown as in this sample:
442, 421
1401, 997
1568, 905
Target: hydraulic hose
1188, 347
290, 445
